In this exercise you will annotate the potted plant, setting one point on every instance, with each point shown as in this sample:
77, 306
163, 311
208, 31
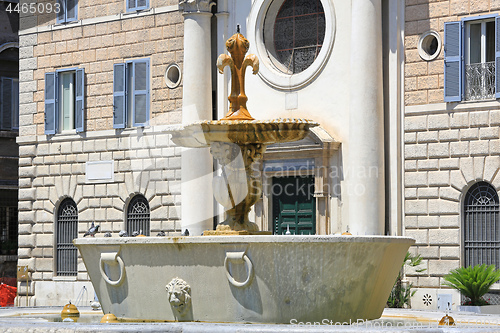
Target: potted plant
473, 282
401, 292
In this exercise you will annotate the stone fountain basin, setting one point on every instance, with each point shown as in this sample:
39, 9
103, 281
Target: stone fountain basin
265, 279
266, 132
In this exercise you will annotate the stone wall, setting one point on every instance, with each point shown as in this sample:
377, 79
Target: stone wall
91, 9
424, 80
447, 148
96, 47
445, 152
145, 163
54, 167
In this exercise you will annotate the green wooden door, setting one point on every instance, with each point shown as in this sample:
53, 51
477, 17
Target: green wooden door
294, 205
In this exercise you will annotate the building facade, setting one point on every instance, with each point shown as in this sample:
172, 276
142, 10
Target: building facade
9, 115
92, 78
451, 140
405, 94
100, 84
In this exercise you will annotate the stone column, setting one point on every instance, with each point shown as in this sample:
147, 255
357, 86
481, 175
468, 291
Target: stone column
365, 169
196, 164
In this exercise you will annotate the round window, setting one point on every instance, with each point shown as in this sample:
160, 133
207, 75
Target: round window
173, 76
292, 39
298, 34
429, 45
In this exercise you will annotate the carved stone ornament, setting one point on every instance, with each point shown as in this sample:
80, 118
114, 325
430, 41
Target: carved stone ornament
190, 6
179, 296
238, 46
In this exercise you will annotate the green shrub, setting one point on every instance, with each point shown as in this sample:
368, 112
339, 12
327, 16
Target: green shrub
401, 294
473, 281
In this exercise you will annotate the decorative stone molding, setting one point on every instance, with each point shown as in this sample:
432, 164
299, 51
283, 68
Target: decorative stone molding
190, 6
179, 296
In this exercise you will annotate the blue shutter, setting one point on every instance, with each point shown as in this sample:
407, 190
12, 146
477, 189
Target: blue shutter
497, 57
71, 10
15, 104
119, 98
140, 92
452, 61
6, 99
79, 100
61, 16
50, 103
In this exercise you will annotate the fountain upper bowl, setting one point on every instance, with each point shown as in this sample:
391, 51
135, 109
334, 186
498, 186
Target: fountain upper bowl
266, 132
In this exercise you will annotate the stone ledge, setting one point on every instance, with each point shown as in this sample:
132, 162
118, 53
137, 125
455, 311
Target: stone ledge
415, 110
104, 134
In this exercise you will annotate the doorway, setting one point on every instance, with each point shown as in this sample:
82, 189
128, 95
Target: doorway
294, 205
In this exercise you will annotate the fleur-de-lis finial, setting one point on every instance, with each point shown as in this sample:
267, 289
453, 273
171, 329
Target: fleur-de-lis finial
238, 46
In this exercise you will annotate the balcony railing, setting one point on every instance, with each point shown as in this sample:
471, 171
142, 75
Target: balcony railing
480, 81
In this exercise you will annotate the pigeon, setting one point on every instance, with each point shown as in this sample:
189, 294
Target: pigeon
123, 233
92, 231
107, 234
135, 234
161, 234
185, 233
95, 305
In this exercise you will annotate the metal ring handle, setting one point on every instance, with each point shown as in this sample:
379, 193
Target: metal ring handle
105, 277
239, 257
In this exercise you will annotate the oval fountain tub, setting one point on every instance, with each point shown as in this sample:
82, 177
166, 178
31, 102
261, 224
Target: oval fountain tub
266, 279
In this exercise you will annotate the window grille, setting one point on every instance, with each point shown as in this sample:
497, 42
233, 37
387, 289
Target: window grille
67, 230
481, 226
138, 215
480, 81
299, 32
8, 221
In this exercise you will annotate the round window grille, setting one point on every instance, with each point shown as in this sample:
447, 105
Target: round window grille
299, 32
173, 76
293, 39
429, 45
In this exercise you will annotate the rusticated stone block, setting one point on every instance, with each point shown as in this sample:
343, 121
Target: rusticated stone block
443, 267
416, 207
444, 236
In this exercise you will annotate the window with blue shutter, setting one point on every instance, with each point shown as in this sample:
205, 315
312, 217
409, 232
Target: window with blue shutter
472, 59
50, 103
68, 11
79, 100
452, 61
65, 101
134, 5
119, 104
140, 92
131, 94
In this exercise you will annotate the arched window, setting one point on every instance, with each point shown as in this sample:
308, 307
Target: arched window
66, 231
138, 215
481, 225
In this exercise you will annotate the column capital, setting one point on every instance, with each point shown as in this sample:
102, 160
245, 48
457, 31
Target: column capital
195, 6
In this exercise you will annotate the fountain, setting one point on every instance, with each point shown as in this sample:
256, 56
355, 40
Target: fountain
237, 273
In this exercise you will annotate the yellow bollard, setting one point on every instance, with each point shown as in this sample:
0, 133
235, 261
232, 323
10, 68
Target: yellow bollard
70, 311
109, 318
